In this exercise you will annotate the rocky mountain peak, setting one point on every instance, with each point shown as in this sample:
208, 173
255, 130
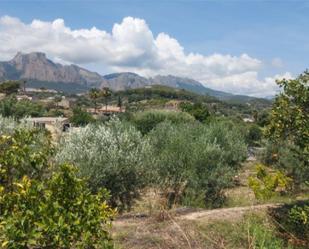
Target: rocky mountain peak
20, 58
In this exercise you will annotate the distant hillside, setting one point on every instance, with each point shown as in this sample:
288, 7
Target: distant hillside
42, 72
36, 67
121, 81
160, 91
188, 84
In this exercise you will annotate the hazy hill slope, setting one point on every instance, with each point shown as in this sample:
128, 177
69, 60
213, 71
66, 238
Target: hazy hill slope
122, 81
36, 67
39, 71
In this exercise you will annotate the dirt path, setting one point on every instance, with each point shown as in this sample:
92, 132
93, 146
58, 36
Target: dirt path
226, 213
232, 213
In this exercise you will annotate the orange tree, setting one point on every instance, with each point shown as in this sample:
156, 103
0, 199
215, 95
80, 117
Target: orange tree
288, 129
46, 206
290, 113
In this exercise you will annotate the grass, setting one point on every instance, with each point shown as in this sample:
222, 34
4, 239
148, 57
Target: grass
252, 231
241, 195
231, 230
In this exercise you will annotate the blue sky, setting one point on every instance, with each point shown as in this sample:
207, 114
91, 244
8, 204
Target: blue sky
273, 32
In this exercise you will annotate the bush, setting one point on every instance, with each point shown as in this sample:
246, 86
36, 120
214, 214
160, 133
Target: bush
81, 117
299, 221
24, 152
146, 121
9, 87
289, 158
254, 135
43, 210
292, 222
58, 212
174, 161
197, 110
268, 184
193, 159
112, 156
10, 107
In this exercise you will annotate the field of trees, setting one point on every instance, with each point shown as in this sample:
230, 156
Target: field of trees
196, 176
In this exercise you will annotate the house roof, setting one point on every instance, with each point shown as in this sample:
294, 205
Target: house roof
47, 119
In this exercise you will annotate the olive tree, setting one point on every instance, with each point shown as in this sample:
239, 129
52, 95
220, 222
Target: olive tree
112, 156
196, 160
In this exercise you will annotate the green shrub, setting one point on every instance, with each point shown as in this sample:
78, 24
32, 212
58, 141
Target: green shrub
292, 222
197, 110
19, 109
254, 135
229, 137
112, 156
194, 159
299, 220
289, 126
267, 184
24, 152
174, 161
58, 212
146, 121
9, 87
80, 117
289, 158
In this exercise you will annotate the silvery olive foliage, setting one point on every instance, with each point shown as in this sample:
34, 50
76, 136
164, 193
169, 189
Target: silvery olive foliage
113, 156
9, 124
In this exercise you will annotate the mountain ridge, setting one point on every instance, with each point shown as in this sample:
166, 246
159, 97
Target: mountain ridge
38, 70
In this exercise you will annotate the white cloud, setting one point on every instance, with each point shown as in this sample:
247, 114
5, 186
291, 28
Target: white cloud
131, 46
249, 83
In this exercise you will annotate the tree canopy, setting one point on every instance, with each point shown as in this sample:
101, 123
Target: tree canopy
9, 87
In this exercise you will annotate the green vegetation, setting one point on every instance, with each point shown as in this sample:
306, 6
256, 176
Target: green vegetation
197, 110
56, 213
194, 160
9, 87
288, 150
10, 107
290, 114
171, 149
147, 120
80, 117
113, 156
254, 135
44, 205
267, 184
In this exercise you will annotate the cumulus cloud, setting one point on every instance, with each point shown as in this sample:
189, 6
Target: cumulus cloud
131, 46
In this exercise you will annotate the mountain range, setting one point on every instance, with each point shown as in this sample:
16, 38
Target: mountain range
39, 71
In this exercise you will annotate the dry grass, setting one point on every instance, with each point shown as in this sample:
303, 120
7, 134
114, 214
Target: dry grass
191, 228
176, 233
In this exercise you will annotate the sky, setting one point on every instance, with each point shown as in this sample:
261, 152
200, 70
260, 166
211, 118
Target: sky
240, 47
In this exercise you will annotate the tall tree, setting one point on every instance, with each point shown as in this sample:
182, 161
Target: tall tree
289, 128
290, 113
94, 94
119, 102
106, 93
24, 85
9, 87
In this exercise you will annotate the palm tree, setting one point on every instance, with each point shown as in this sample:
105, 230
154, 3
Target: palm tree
94, 94
106, 92
119, 102
24, 85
